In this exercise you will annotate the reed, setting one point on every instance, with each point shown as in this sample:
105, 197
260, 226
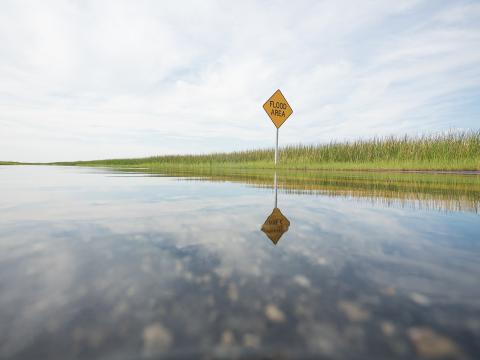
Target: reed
451, 151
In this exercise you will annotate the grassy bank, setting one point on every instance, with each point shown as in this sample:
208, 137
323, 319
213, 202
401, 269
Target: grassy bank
455, 151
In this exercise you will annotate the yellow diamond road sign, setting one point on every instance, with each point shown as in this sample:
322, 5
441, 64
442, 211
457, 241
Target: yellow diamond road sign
277, 108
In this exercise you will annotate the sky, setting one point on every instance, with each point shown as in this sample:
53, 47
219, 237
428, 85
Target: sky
107, 79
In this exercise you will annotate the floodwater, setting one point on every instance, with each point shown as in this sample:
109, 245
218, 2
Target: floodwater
104, 264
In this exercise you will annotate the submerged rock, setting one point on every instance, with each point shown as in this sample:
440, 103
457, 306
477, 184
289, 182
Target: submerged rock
302, 281
353, 311
274, 314
432, 345
156, 339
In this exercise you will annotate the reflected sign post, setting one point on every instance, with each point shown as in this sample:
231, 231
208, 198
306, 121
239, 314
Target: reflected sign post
278, 109
276, 224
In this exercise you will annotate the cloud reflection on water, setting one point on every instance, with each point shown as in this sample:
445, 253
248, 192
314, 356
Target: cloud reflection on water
127, 266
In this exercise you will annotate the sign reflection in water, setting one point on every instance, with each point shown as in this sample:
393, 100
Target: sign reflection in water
276, 224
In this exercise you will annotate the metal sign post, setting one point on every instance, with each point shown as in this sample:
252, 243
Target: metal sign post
276, 150
278, 109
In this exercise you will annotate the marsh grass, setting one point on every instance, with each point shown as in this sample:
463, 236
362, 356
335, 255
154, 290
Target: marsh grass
451, 151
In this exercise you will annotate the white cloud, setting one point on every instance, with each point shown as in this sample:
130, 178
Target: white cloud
102, 79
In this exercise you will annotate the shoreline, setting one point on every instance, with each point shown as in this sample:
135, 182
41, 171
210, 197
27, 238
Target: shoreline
251, 168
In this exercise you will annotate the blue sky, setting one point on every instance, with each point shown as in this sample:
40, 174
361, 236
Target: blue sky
105, 79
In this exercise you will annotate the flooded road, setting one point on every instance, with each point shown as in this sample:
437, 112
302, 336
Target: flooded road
97, 263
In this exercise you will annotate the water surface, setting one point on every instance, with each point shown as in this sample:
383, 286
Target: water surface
99, 263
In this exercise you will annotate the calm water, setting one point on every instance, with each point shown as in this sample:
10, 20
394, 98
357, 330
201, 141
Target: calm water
102, 264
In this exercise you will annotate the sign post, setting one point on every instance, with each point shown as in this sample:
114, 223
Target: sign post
276, 149
278, 109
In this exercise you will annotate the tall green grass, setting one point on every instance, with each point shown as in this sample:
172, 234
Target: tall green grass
451, 151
